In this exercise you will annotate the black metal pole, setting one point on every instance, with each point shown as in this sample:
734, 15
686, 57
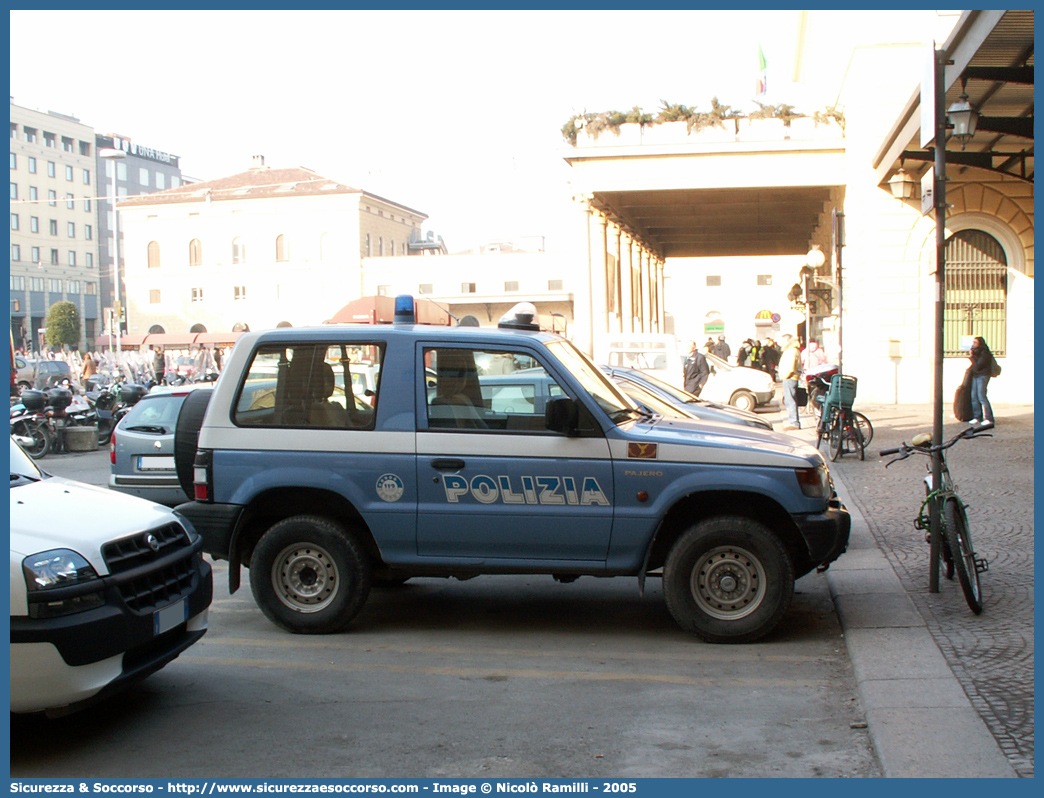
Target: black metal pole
839, 232
939, 200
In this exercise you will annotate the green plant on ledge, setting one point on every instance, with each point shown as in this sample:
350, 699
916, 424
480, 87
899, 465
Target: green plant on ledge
597, 123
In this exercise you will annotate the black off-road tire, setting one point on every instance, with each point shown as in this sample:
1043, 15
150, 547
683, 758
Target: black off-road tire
728, 580
309, 575
958, 538
186, 435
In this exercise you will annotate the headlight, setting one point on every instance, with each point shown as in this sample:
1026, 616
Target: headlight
814, 482
57, 569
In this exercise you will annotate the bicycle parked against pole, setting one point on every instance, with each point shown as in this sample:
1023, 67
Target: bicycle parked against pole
845, 430
956, 550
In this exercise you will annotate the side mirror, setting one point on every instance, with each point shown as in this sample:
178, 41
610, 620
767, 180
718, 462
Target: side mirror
561, 415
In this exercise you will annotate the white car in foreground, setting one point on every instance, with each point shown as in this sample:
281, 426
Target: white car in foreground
105, 589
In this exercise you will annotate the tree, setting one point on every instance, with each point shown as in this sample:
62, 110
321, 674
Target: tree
63, 325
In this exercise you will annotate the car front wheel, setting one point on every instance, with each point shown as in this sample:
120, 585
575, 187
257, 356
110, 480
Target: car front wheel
728, 580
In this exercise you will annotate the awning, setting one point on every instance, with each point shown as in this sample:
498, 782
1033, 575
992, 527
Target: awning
132, 341
217, 338
173, 340
381, 310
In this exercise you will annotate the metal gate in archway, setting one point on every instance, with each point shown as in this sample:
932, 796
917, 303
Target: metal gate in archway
976, 292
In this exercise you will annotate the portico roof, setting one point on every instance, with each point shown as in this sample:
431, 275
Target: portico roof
992, 55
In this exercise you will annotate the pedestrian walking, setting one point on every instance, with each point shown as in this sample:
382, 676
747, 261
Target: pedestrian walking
90, 368
813, 356
697, 372
159, 364
743, 355
983, 366
722, 349
770, 358
790, 371
755, 354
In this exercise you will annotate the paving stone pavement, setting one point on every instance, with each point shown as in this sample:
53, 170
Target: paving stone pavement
991, 655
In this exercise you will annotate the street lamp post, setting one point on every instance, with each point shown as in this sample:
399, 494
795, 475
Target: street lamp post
114, 155
813, 260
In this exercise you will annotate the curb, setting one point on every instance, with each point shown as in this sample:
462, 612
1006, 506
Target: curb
920, 720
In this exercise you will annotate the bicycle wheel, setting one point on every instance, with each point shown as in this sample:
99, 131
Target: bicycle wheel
835, 436
958, 537
865, 427
852, 435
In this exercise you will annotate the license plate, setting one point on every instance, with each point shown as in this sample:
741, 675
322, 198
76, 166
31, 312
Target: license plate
166, 619
156, 463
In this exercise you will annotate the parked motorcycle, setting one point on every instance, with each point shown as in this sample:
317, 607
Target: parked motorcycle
31, 426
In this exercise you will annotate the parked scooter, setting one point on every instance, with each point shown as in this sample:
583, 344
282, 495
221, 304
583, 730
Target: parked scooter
31, 426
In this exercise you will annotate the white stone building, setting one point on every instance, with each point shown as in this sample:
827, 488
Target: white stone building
255, 250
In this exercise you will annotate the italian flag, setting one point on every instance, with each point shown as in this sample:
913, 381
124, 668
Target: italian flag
763, 70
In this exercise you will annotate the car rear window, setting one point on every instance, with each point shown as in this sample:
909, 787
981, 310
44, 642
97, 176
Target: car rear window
155, 411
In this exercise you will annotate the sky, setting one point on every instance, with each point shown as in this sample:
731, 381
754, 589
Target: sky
456, 114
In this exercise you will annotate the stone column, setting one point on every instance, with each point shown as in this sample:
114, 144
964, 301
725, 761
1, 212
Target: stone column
626, 284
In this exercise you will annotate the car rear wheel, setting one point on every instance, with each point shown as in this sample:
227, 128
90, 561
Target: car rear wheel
744, 400
728, 580
309, 575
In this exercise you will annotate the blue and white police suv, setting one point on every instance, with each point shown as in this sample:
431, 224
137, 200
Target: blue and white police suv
321, 490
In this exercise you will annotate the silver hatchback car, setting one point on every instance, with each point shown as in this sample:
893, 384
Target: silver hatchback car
142, 448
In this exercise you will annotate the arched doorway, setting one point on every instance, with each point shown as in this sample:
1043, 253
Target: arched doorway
156, 329
198, 328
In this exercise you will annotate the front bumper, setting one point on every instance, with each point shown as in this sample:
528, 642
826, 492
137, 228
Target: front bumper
826, 534
72, 659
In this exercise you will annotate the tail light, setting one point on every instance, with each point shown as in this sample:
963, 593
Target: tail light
201, 476
112, 448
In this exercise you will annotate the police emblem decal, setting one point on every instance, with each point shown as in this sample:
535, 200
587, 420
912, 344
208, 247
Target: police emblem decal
643, 451
389, 487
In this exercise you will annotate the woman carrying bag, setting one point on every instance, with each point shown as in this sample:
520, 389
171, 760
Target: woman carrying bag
983, 366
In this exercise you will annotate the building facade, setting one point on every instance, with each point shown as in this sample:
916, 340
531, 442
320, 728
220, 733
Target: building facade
255, 250
726, 208
484, 284
142, 170
54, 228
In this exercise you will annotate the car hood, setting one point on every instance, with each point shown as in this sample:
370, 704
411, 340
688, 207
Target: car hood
685, 440
57, 513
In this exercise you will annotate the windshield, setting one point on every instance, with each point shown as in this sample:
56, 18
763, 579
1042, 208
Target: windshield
22, 465
666, 387
644, 396
618, 407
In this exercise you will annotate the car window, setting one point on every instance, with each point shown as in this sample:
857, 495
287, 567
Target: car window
302, 385
485, 389
154, 412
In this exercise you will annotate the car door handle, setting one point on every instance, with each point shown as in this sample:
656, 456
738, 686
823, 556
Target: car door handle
447, 464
